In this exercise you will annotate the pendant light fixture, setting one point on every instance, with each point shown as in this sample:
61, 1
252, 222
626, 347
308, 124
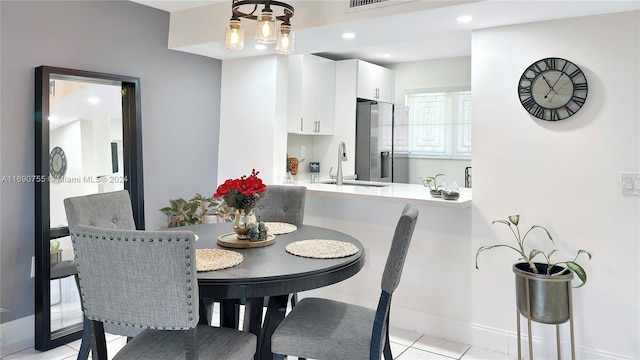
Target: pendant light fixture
234, 35
266, 24
284, 45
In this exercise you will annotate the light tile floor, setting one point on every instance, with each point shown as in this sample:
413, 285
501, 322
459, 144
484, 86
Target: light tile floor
405, 345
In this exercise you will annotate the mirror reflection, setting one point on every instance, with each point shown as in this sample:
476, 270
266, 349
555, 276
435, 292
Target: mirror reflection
88, 140
85, 157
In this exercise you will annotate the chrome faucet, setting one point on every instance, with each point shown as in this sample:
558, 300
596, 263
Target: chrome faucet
342, 156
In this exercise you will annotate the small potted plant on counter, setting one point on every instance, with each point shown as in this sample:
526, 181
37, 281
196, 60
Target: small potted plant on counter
548, 282
435, 184
450, 191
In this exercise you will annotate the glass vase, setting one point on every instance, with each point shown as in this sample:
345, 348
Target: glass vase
242, 221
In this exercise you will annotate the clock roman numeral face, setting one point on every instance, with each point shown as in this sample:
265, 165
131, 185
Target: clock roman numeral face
552, 89
57, 163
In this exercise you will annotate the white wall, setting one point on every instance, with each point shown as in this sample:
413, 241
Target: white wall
253, 118
564, 175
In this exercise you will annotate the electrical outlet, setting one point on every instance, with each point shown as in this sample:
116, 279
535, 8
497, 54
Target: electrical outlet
33, 266
302, 151
630, 183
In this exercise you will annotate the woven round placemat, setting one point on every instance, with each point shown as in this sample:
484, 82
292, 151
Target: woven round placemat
216, 259
278, 228
321, 249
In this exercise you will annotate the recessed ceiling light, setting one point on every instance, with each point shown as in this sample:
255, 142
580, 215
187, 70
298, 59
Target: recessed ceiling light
93, 100
386, 55
464, 18
348, 35
260, 46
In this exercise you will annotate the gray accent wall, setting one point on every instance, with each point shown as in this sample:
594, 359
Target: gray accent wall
180, 111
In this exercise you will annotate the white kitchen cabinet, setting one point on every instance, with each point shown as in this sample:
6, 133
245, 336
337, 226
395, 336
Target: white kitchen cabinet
311, 95
375, 82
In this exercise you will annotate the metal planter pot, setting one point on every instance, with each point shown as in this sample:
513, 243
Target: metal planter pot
549, 296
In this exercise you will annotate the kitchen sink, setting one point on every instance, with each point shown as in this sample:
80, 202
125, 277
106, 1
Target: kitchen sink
356, 183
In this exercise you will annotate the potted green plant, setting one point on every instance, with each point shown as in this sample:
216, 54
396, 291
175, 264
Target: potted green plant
194, 211
434, 183
221, 210
548, 283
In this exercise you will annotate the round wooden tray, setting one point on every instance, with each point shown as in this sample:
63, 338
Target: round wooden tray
231, 240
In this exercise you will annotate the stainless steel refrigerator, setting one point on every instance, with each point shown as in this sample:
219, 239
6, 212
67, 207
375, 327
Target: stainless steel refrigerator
381, 142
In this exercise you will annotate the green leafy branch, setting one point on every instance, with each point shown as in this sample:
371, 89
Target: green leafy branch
192, 212
513, 222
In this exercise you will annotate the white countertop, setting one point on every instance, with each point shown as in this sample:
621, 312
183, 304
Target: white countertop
394, 192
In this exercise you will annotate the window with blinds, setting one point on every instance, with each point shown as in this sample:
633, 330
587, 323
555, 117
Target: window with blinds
439, 123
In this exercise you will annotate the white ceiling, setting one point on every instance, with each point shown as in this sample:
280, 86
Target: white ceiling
417, 35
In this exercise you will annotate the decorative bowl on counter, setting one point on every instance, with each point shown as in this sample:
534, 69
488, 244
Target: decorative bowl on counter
450, 195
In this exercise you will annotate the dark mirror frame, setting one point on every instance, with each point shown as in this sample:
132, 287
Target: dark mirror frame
132, 151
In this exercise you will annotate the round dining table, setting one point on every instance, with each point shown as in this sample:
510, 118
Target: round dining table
268, 272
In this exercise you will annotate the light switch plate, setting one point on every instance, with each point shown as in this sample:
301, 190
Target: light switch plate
630, 183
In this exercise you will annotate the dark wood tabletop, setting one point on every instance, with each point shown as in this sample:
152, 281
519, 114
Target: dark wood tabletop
272, 272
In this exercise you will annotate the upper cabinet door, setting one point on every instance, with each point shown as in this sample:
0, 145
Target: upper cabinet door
325, 96
311, 95
367, 87
386, 84
375, 82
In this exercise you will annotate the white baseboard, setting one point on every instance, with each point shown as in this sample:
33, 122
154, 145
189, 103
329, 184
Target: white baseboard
17, 335
494, 339
498, 340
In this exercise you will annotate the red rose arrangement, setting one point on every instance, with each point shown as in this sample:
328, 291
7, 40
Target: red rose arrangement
242, 193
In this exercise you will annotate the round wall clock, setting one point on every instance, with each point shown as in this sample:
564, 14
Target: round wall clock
552, 89
57, 163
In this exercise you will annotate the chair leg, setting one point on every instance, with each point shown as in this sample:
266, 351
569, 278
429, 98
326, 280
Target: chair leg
387, 346
253, 320
83, 353
98, 343
206, 313
190, 344
275, 314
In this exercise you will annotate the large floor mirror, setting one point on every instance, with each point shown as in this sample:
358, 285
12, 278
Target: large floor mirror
87, 140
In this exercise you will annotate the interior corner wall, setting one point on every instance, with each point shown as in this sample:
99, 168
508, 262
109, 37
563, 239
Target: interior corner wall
564, 175
251, 122
180, 101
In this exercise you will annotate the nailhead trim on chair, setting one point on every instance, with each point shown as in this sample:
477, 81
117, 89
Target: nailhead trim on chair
188, 280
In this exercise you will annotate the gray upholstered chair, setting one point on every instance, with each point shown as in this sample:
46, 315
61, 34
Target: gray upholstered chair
278, 203
110, 210
107, 210
147, 280
332, 330
282, 203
